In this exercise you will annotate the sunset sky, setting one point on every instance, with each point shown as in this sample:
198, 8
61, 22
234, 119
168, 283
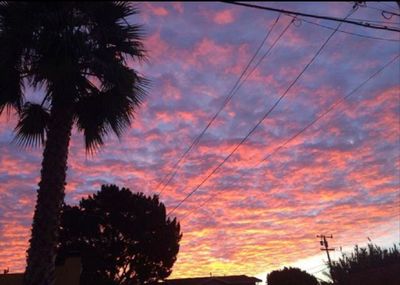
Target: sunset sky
341, 176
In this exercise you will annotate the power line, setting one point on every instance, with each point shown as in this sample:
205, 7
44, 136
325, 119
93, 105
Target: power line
347, 32
366, 25
350, 33
333, 106
391, 7
175, 167
267, 52
382, 10
237, 86
231, 93
262, 118
371, 21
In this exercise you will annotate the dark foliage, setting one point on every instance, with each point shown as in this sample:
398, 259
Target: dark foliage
290, 276
123, 237
370, 265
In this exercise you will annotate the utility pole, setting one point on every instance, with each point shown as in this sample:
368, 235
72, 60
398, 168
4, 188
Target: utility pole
323, 242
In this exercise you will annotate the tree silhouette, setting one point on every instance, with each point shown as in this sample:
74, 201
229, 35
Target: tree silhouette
290, 276
122, 237
77, 53
369, 265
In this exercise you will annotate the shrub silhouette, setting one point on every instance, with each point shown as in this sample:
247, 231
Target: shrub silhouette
290, 276
369, 265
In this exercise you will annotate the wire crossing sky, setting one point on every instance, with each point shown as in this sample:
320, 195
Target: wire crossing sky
326, 112
269, 110
232, 92
340, 176
369, 26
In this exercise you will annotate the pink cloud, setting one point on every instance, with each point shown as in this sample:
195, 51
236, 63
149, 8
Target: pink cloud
224, 17
178, 6
156, 9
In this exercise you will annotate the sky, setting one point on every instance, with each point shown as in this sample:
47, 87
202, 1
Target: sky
340, 176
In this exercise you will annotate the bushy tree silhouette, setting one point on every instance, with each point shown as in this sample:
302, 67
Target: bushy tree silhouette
123, 237
77, 53
369, 265
290, 276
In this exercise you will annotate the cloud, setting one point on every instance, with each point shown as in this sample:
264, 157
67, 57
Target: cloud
340, 176
224, 17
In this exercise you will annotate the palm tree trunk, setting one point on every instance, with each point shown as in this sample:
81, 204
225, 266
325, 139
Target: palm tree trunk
40, 268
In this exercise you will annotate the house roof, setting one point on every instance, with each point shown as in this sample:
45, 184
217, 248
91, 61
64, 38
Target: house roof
238, 279
11, 279
67, 274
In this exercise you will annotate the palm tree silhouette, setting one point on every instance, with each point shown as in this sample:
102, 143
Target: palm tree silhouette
80, 54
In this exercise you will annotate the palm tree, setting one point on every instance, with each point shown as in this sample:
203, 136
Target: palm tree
80, 56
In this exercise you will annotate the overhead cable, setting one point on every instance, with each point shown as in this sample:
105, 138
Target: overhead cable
266, 114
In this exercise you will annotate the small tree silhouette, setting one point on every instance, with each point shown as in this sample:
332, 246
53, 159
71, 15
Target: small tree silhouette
290, 276
123, 237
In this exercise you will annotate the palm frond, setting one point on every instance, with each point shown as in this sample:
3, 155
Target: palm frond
16, 26
108, 106
90, 113
32, 126
11, 94
108, 111
11, 89
111, 32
